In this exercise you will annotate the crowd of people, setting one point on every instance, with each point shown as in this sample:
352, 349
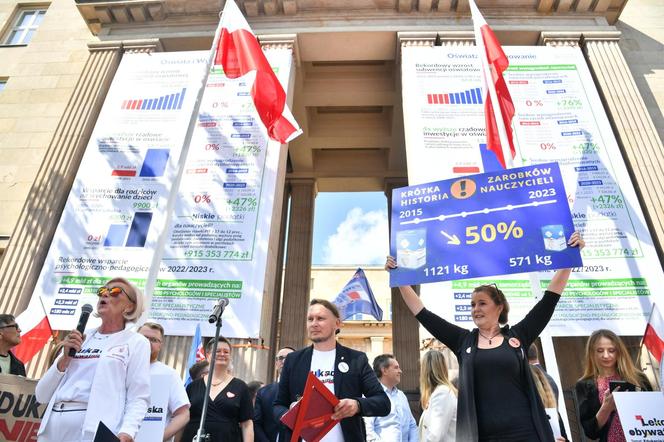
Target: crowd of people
501, 393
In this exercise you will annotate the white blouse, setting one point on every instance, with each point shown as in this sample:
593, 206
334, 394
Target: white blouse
438, 421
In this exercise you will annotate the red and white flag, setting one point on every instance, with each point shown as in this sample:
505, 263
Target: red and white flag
653, 338
498, 107
35, 331
237, 50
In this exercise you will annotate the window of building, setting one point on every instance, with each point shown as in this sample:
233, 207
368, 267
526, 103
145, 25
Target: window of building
26, 23
3, 83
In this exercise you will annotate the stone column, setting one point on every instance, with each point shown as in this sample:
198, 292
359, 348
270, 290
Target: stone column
297, 278
264, 368
405, 328
275, 302
32, 236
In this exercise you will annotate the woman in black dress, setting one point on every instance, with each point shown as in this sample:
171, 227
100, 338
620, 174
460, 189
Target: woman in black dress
229, 415
498, 400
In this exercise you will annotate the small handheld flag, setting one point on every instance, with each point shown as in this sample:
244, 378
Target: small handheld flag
357, 297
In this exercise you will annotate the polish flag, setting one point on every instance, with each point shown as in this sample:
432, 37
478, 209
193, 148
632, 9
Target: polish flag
35, 331
237, 50
498, 107
653, 338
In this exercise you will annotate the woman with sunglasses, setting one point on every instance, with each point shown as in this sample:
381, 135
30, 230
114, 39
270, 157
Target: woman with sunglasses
498, 400
108, 378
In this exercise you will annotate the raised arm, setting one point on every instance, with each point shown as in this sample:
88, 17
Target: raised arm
560, 278
447, 333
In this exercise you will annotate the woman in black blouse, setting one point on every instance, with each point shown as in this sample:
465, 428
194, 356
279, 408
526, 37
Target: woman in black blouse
230, 412
498, 400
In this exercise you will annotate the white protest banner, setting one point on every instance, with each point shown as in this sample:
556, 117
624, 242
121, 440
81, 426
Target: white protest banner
641, 415
116, 208
20, 414
559, 117
217, 242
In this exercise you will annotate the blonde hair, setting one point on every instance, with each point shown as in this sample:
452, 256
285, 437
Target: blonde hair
543, 388
433, 372
134, 295
624, 365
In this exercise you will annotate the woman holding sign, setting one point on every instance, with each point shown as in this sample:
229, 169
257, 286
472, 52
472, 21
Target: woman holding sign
498, 400
608, 368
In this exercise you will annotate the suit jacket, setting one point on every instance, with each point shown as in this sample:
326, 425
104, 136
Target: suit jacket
358, 381
16, 366
587, 398
266, 426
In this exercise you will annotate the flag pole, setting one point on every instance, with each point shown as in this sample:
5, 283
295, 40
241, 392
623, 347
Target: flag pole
491, 88
54, 335
153, 272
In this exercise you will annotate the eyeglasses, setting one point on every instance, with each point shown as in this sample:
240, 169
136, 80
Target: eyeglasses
280, 358
154, 340
113, 292
12, 325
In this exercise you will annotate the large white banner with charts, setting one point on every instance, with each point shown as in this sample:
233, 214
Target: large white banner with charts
216, 245
559, 117
217, 242
116, 209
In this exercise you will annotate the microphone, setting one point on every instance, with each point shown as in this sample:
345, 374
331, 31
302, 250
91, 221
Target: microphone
218, 310
82, 321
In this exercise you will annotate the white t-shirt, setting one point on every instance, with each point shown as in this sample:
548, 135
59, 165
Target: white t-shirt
322, 366
81, 370
177, 395
5, 364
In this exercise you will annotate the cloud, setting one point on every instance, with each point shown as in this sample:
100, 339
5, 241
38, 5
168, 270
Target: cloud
362, 238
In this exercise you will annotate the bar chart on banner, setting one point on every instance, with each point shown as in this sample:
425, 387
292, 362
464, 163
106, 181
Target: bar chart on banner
163, 102
153, 166
470, 96
125, 235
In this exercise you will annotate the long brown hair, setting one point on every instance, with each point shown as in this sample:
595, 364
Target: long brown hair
543, 387
433, 372
624, 365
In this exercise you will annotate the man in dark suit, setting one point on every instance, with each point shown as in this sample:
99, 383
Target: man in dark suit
266, 426
10, 337
345, 372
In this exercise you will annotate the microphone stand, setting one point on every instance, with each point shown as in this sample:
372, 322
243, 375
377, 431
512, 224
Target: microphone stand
200, 437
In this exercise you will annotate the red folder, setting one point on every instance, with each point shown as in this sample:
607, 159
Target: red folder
311, 417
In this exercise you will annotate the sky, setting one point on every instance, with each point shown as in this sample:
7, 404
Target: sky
350, 228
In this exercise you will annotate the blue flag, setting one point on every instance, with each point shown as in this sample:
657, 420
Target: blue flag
357, 297
196, 352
